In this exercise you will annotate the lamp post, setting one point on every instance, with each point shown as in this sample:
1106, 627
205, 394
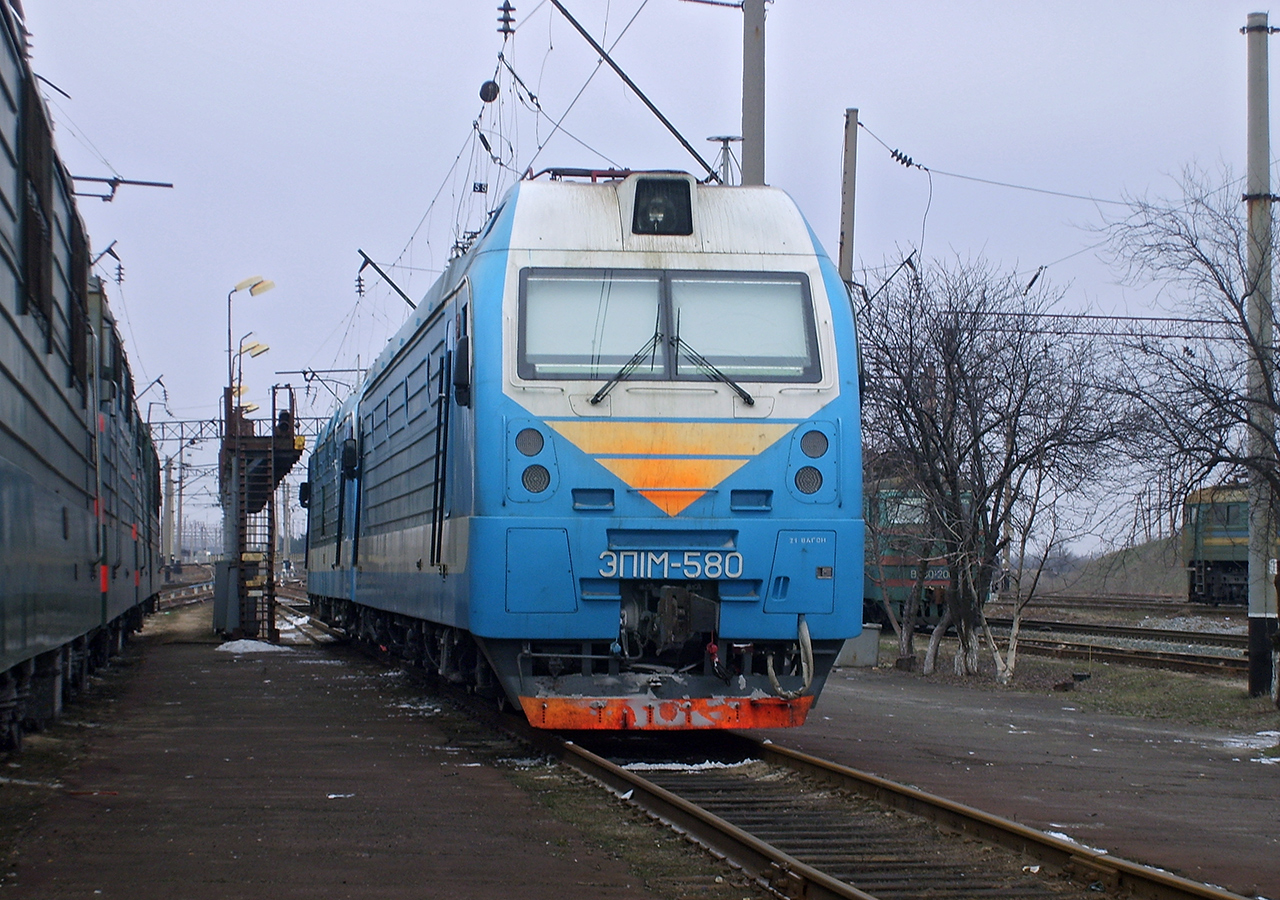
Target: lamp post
228, 590
253, 349
255, 285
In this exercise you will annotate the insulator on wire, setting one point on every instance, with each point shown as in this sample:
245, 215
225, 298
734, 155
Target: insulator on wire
119, 273
506, 21
359, 285
1034, 278
903, 158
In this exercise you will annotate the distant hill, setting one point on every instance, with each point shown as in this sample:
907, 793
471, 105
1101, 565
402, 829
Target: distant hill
1152, 568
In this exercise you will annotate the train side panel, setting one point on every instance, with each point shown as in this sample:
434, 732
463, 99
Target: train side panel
79, 480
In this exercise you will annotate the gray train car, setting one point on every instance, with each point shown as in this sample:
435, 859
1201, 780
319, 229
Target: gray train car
79, 476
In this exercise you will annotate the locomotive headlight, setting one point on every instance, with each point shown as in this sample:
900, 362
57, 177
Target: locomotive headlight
813, 467
530, 462
662, 206
814, 444
529, 441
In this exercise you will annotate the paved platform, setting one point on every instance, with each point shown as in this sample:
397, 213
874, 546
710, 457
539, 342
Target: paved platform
1189, 800
279, 775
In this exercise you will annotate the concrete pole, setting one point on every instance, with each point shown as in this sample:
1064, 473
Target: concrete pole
847, 193
166, 532
753, 91
182, 452
286, 518
1262, 595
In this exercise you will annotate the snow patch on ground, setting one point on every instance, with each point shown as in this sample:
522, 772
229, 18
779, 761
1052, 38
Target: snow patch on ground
1066, 837
1263, 740
686, 767
247, 646
421, 707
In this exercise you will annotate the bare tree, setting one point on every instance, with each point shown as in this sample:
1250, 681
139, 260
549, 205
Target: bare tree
1190, 386
1203, 417
987, 415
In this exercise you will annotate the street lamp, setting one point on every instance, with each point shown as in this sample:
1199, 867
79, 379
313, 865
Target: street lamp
253, 350
255, 286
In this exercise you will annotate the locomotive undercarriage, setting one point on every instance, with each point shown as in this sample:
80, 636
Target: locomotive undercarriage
664, 670
33, 693
440, 650
1219, 581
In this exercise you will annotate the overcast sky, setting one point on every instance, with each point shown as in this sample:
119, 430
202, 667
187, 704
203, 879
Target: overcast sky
296, 133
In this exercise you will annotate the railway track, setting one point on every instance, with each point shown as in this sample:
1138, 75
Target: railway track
181, 595
1184, 651
1166, 635
808, 828
1178, 661
814, 829
1160, 604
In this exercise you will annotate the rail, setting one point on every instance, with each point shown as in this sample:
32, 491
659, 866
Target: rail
790, 876
1029, 627
1203, 663
1117, 874
172, 597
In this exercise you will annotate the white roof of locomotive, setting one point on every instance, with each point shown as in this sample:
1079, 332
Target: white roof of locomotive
575, 216
751, 223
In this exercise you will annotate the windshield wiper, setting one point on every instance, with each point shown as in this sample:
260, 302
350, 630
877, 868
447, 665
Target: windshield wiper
650, 346
709, 368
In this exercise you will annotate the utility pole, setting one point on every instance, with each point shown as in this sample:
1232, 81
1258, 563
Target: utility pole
753, 91
182, 452
286, 533
847, 193
166, 532
1262, 594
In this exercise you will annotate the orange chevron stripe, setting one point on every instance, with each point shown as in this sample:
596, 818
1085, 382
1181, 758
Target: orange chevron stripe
672, 484
606, 438
665, 472
672, 502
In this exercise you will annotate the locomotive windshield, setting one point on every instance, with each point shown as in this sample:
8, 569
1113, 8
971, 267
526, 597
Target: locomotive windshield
586, 324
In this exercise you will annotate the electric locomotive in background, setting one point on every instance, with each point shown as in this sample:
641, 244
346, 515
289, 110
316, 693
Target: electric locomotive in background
904, 556
1215, 544
611, 468
79, 477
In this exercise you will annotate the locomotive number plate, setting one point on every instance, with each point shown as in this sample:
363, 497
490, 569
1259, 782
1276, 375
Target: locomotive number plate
689, 564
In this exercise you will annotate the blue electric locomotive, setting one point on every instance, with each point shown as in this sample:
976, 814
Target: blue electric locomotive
611, 467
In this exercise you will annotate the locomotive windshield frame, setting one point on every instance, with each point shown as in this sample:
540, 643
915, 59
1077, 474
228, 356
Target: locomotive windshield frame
753, 326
